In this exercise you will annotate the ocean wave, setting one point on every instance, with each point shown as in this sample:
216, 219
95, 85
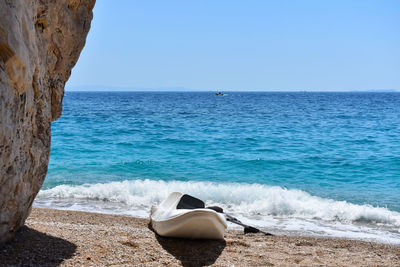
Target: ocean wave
248, 200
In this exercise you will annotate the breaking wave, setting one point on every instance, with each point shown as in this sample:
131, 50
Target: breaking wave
247, 200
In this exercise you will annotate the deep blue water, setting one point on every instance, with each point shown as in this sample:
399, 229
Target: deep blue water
315, 163
344, 146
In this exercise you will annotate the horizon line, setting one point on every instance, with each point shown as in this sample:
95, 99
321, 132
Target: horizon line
235, 91
105, 88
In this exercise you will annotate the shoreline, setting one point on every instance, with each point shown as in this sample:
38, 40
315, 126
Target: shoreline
63, 237
272, 208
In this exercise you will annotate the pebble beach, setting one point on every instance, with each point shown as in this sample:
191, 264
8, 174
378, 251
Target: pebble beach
72, 238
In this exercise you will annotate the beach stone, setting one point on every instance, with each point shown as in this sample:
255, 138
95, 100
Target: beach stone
40, 42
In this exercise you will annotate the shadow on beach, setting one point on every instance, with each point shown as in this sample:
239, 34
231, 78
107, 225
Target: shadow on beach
30, 247
193, 252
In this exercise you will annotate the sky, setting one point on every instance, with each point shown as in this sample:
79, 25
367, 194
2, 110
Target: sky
248, 45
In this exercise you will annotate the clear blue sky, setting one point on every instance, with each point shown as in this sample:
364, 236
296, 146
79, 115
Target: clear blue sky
242, 45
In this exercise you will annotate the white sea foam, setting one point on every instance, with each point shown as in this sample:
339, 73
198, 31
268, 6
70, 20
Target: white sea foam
266, 206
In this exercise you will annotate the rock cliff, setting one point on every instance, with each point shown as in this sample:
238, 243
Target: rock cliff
40, 42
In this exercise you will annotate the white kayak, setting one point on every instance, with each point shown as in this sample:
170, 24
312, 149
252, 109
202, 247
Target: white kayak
168, 220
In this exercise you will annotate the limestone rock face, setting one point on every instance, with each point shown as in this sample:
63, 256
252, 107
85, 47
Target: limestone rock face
40, 42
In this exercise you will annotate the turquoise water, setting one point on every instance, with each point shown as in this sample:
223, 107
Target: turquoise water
319, 158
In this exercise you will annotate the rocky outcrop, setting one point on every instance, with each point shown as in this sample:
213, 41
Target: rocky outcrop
40, 42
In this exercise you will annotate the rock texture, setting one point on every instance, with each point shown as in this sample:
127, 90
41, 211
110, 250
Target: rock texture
40, 42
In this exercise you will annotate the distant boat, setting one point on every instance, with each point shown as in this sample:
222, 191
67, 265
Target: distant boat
220, 94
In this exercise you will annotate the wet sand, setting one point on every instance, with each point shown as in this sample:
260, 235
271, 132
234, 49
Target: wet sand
71, 238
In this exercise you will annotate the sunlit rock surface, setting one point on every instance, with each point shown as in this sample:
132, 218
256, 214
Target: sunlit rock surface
40, 42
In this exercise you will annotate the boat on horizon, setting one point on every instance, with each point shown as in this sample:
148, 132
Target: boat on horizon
220, 94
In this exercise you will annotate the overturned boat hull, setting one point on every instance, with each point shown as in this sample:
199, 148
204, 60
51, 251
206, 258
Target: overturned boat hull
201, 223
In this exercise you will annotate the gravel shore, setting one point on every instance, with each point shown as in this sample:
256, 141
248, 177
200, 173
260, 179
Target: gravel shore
71, 238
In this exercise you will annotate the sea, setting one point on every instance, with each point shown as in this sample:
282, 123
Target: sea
301, 163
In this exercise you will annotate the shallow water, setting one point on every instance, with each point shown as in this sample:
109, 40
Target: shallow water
319, 163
